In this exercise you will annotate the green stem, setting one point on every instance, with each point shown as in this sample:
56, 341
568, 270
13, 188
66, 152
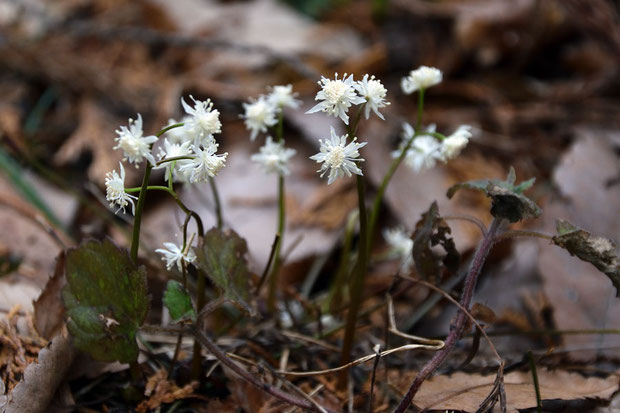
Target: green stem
357, 284
530, 356
274, 276
275, 271
216, 201
334, 297
167, 128
135, 239
418, 121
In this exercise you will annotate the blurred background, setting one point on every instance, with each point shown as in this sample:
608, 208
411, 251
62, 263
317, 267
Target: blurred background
537, 80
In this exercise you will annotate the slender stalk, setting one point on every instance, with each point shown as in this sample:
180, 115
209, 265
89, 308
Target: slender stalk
275, 271
530, 357
216, 201
274, 276
201, 338
459, 323
418, 120
357, 284
137, 220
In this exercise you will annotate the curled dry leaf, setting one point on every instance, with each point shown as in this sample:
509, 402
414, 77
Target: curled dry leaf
41, 380
49, 312
598, 251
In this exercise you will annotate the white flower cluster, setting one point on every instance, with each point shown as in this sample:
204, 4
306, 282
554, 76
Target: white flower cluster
425, 149
401, 246
195, 140
261, 114
339, 158
338, 95
421, 78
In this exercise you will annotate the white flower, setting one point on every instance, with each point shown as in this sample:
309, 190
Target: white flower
421, 78
180, 134
274, 157
115, 190
338, 157
337, 97
174, 255
134, 145
283, 96
259, 115
452, 146
423, 153
206, 164
172, 150
401, 246
204, 121
374, 92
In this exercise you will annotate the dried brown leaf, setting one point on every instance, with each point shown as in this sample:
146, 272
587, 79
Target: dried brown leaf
48, 309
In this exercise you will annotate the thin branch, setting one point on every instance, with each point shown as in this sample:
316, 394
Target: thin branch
468, 218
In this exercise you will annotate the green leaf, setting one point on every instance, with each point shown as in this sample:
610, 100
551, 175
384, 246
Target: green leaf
106, 300
507, 199
432, 230
221, 255
178, 302
598, 251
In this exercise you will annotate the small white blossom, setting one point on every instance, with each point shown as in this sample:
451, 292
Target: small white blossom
115, 190
337, 97
452, 146
422, 154
274, 157
204, 121
338, 157
374, 92
401, 246
172, 150
259, 115
181, 134
206, 164
421, 78
135, 146
174, 255
283, 96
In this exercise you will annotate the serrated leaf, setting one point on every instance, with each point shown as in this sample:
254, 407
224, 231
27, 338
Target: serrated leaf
598, 251
178, 301
432, 230
106, 300
507, 199
221, 255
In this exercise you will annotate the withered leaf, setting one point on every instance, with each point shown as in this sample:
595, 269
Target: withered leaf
598, 251
432, 230
221, 255
508, 200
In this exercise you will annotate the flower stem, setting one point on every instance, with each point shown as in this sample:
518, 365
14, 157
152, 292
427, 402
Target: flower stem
135, 239
274, 276
357, 285
216, 201
459, 323
418, 121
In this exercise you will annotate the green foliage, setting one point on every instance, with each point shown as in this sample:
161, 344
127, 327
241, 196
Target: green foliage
106, 300
178, 302
598, 251
430, 231
508, 200
221, 255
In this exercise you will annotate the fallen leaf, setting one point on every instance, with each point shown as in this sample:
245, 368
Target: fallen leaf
41, 379
49, 312
160, 390
465, 392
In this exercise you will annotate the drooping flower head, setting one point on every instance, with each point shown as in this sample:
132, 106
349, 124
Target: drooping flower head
115, 190
283, 96
204, 121
421, 78
337, 97
172, 150
401, 246
452, 146
135, 146
174, 255
374, 92
259, 115
338, 158
206, 163
274, 157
